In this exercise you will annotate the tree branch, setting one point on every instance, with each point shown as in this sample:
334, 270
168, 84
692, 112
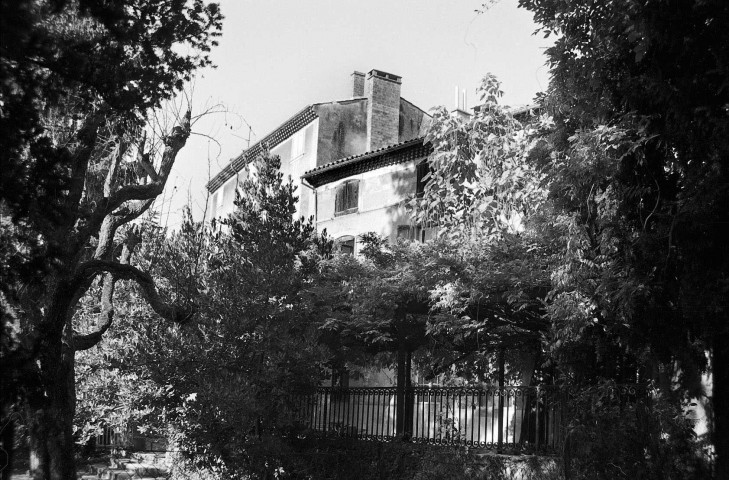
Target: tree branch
143, 160
88, 340
120, 271
173, 143
131, 201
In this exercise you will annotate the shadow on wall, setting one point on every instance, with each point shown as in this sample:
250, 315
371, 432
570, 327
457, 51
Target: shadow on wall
403, 183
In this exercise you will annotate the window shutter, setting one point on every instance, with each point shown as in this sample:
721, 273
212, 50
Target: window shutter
421, 170
339, 199
346, 197
353, 194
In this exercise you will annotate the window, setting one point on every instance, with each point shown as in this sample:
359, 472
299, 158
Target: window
412, 233
345, 245
421, 170
346, 197
298, 142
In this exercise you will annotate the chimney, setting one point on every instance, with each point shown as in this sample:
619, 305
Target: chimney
383, 109
461, 106
358, 82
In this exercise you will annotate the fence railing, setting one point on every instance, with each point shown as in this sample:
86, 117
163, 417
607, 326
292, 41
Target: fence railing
512, 418
111, 437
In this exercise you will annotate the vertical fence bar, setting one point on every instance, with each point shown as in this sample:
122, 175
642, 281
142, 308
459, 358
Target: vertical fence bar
377, 415
478, 423
325, 412
536, 419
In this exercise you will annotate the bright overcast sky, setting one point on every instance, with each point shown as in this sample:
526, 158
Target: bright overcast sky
275, 57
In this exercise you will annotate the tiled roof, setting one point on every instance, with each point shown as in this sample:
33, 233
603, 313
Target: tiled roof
524, 110
288, 128
390, 155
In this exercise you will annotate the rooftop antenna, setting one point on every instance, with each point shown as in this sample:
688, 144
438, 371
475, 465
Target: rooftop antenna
457, 97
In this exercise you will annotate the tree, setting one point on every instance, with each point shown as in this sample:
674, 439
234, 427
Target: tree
486, 199
220, 389
78, 81
549, 252
639, 96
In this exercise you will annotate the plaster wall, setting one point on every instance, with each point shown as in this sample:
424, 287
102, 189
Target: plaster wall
382, 194
342, 130
413, 122
295, 167
223, 198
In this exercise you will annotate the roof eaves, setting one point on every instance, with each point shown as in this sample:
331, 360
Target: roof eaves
360, 157
393, 154
303, 117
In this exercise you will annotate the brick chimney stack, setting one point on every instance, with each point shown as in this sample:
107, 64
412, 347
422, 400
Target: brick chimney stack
358, 83
383, 108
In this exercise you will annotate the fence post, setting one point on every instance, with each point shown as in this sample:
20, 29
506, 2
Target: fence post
501, 400
536, 417
409, 397
403, 395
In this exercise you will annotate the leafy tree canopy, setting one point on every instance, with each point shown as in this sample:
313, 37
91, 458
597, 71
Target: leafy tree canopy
220, 387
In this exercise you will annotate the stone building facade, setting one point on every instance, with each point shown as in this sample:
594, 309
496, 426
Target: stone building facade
323, 134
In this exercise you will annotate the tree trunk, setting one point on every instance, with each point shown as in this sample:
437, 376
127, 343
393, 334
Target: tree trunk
7, 443
720, 399
50, 418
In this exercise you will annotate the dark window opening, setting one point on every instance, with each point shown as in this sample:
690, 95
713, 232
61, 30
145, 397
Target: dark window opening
421, 170
346, 197
345, 245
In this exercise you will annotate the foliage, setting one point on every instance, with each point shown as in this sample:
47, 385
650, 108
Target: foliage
222, 386
72, 57
581, 256
82, 157
450, 304
355, 459
481, 182
646, 133
616, 433
639, 96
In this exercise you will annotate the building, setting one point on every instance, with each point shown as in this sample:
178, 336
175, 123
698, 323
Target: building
366, 193
336, 136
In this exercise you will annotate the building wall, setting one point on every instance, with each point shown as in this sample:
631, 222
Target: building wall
381, 209
413, 122
222, 200
295, 167
342, 130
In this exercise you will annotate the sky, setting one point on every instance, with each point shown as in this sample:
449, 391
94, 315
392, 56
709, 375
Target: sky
277, 56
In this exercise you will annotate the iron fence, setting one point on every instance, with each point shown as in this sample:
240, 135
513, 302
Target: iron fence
367, 413
111, 438
508, 419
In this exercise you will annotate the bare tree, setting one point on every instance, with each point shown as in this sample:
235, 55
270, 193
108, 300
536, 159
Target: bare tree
118, 171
